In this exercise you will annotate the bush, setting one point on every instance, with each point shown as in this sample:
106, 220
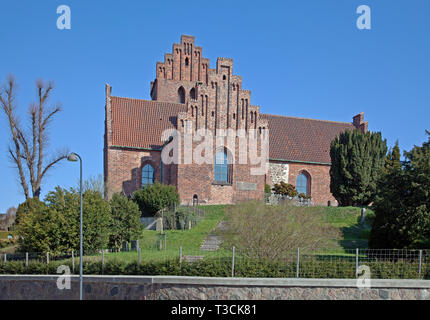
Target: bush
365, 234
304, 196
310, 267
285, 189
153, 198
125, 222
173, 219
54, 226
269, 231
31, 205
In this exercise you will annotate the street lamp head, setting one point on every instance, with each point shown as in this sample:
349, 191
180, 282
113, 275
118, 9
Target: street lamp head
72, 157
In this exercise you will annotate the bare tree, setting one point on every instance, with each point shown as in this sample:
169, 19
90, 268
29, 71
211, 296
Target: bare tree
27, 150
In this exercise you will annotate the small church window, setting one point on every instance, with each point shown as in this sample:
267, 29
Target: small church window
181, 95
221, 166
302, 183
193, 94
147, 175
186, 62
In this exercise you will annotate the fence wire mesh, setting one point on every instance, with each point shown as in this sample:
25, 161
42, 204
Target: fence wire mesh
174, 259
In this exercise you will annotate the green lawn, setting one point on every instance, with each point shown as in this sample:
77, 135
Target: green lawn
346, 219
189, 240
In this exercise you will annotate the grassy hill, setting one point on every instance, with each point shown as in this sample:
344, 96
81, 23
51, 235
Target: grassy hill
346, 219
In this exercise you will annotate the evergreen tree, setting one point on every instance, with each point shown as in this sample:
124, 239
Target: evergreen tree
125, 220
153, 198
402, 209
356, 162
393, 157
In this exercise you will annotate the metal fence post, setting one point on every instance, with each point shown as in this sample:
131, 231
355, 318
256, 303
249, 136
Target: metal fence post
232, 262
356, 262
140, 256
26, 259
298, 263
103, 261
420, 264
47, 257
73, 262
165, 241
5, 258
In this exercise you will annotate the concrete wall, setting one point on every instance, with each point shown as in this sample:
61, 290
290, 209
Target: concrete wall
42, 287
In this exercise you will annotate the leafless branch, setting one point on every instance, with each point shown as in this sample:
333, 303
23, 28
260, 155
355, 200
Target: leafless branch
30, 146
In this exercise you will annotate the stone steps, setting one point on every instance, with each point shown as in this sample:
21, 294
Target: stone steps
211, 243
192, 258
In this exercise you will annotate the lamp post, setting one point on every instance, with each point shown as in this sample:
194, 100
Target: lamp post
74, 157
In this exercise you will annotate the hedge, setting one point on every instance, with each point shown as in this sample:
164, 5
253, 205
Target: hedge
222, 268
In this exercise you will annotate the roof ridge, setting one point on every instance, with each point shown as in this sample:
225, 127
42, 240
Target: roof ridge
151, 101
281, 116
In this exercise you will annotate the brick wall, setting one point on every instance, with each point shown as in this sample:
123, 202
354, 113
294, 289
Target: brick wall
216, 101
319, 180
123, 169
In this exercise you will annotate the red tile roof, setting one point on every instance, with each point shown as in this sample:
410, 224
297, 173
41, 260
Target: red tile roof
139, 124
300, 139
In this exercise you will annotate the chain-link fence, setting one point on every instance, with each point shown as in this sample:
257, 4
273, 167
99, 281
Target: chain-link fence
227, 262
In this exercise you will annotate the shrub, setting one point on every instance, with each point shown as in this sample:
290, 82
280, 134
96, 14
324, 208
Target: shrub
125, 222
31, 205
173, 219
310, 267
54, 227
304, 196
365, 234
285, 189
153, 198
269, 231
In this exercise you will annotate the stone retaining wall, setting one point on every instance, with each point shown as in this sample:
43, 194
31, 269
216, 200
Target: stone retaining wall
44, 287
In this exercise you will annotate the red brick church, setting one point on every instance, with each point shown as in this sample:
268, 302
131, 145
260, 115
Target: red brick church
188, 96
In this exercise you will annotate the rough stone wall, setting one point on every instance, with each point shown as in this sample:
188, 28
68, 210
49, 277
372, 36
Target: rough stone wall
144, 288
279, 172
318, 174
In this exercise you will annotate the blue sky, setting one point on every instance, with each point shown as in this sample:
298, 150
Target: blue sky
299, 58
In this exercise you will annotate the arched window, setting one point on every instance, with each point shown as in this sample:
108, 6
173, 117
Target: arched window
221, 167
147, 175
181, 95
193, 94
303, 183
195, 200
